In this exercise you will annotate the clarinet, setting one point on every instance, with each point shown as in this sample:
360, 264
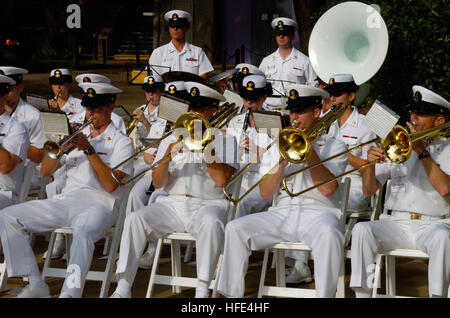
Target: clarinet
245, 126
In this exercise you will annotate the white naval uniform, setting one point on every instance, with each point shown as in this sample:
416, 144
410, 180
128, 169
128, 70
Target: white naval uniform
296, 68
192, 203
15, 141
353, 133
409, 190
191, 59
138, 196
253, 202
72, 107
310, 218
83, 205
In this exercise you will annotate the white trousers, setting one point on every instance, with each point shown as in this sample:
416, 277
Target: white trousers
138, 198
320, 230
5, 199
253, 202
89, 220
356, 200
201, 218
431, 237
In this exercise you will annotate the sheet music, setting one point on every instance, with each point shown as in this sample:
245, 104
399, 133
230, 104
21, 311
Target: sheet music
40, 102
171, 109
268, 122
55, 123
380, 119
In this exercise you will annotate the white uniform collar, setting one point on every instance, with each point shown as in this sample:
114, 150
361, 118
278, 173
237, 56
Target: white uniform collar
186, 48
293, 55
69, 105
353, 119
108, 134
4, 117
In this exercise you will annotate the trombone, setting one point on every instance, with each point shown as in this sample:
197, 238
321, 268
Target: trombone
187, 121
293, 145
397, 146
54, 149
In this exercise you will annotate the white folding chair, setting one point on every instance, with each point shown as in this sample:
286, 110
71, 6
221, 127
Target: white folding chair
390, 269
280, 290
107, 276
176, 280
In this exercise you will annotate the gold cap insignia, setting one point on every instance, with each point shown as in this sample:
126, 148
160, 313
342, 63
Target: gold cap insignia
250, 86
331, 81
172, 89
90, 92
175, 17
194, 91
58, 73
245, 70
280, 24
151, 81
86, 79
417, 97
293, 94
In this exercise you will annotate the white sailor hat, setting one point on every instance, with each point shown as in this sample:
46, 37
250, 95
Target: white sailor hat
152, 83
178, 18
5, 84
284, 26
92, 78
248, 69
96, 95
341, 83
16, 73
304, 96
254, 87
200, 95
60, 76
176, 89
428, 102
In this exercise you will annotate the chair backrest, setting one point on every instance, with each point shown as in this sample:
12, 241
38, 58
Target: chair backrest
28, 172
344, 200
377, 201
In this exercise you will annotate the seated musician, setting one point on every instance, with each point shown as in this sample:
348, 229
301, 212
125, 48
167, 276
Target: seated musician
192, 201
312, 218
14, 143
417, 195
86, 203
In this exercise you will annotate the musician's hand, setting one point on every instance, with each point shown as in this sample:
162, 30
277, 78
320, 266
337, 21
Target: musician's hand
375, 153
140, 115
53, 104
248, 144
80, 142
174, 148
149, 157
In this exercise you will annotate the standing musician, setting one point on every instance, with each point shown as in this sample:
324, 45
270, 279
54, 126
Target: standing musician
285, 64
86, 203
25, 113
193, 200
350, 129
312, 218
418, 195
178, 54
254, 90
14, 142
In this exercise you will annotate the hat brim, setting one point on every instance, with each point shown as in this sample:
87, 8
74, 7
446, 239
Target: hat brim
256, 93
180, 23
98, 101
60, 80
427, 108
152, 88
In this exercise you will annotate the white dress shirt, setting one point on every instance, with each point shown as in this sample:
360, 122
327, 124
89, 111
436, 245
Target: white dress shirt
30, 117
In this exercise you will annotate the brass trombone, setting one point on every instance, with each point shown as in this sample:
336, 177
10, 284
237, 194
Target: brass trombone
397, 146
188, 121
293, 145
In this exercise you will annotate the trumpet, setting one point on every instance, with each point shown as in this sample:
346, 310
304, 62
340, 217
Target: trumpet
54, 149
133, 123
188, 121
397, 147
294, 146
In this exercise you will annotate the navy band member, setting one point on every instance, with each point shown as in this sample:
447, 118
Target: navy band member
243, 70
178, 54
418, 195
285, 64
86, 203
349, 128
14, 143
311, 218
193, 201
25, 113
254, 90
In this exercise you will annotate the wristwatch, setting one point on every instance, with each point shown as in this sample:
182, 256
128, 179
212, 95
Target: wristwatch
424, 154
89, 151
